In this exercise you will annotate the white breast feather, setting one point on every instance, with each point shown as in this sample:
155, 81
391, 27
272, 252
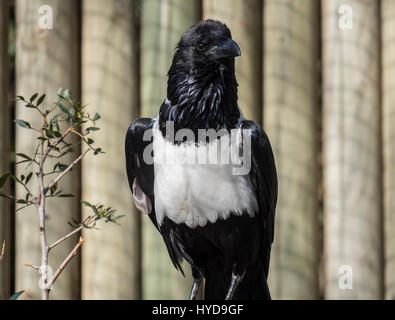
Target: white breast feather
195, 194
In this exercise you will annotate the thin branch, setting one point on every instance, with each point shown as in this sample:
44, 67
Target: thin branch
77, 133
32, 266
28, 204
64, 263
23, 207
89, 220
2, 251
43, 236
67, 236
8, 196
56, 180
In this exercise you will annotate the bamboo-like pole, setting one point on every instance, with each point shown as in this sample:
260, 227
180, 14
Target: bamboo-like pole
163, 23
5, 219
291, 113
46, 59
110, 258
352, 147
388, 122
244, 19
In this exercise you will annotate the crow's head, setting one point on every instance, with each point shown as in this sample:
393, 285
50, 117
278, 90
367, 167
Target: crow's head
206, 44
202, 86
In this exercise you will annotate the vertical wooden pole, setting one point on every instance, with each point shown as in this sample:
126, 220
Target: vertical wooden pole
352, 147
5, 219
163, 23
111, 258
244, 19
388, 122
46, 59
291, 44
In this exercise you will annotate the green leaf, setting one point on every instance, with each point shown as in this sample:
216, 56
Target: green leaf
21, 98
22, 123
66, 195
29, 105
57, 134
97, 151
62, 166
49, 133
3, 179
15, 296
33, 97
67, 93
86, 203
59, 92
55, 118
57, 193
63, 108
24, 156
29, 176
90, 141
41, 99
96, 117
72, 111
53, 189
88, 130
21, 201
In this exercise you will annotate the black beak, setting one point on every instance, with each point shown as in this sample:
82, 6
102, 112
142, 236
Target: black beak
227, 49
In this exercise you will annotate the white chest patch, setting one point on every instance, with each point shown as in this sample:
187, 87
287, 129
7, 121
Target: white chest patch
195, 194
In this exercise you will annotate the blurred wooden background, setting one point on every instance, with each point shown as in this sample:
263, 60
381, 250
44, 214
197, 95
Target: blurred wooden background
324, 93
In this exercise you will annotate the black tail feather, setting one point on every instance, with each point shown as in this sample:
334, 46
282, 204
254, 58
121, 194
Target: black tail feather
252, 287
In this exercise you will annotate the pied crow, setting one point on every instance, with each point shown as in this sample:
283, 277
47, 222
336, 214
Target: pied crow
219, 220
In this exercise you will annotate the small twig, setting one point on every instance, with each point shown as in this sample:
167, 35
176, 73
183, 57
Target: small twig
8, 196
77, 133
87, 221
29, 203
64, 263
32, 266
56, 180
67, 236
23, 207
2, 251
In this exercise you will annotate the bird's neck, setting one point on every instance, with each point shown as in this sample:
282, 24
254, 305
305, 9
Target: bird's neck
204, 99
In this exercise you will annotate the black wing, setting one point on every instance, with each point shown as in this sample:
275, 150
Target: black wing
263, 175
141, 177
140, 173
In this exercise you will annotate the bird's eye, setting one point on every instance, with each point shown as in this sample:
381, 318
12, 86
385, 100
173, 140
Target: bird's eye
200, 46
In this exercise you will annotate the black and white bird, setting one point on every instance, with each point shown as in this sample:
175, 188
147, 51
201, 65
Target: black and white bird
221, 223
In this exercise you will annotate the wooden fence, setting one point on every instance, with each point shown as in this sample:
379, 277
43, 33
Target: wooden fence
319, 75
